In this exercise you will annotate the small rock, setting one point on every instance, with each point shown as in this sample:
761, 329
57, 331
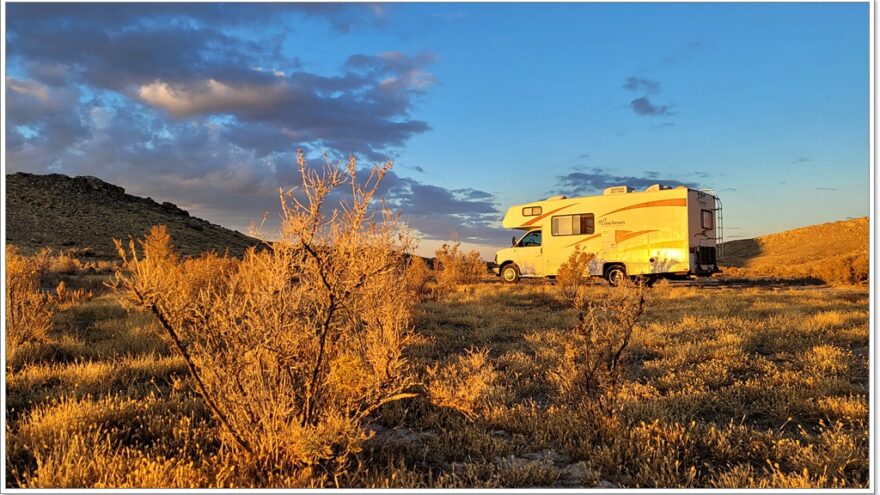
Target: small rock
608, 484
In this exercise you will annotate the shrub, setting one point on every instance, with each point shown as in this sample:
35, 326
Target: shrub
844, 270
292, 347
29, 310
67, 298
417, 277
466, 385
454, 267
574, 273
64, 264
590, 368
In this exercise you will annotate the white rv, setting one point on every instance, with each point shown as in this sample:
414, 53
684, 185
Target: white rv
661, 232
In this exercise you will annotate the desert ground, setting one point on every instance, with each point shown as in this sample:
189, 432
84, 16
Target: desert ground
743, 385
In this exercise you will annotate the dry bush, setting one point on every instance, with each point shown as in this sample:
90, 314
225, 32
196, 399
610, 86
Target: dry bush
291, 347
64, 264
844, 270
454, 267
418, 274
29, 310
574, 273
590, 368
467, 384
67, 298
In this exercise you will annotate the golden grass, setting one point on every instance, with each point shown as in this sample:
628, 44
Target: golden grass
718, 388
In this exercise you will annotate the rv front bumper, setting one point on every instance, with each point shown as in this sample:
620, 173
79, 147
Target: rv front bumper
494, 268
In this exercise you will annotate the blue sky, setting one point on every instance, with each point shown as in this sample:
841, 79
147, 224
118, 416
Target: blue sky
480, 105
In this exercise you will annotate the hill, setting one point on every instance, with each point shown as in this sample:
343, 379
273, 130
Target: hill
832, 252
75, 213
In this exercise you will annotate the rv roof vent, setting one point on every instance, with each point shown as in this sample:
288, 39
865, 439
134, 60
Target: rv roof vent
618, 190
657, 187
552, 198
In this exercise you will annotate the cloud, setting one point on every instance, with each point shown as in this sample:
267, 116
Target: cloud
29, 88
641, 84
800, 159
169, 101
643, 106
826, 189
581, 183
210, 97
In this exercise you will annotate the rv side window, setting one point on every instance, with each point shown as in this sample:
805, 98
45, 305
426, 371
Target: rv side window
531, 211
573, 224
708, 220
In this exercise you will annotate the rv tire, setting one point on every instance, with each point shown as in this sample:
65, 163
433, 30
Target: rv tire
510, 273
615, 274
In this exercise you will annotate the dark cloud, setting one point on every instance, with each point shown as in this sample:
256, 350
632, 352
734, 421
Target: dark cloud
168, 101
176, 58
641, 84
800, 159
583, 156
597, 179
643, 106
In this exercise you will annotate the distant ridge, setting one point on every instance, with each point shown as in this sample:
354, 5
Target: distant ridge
61, 212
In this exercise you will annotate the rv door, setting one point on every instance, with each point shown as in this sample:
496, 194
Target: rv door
528, 254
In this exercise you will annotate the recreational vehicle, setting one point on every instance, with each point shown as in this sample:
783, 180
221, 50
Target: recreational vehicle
661, 232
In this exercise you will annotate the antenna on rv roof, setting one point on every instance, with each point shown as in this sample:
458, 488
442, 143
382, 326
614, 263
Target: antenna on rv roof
551, 198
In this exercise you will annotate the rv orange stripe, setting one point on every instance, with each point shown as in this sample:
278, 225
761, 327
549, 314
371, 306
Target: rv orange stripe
659, 202
622, 235
585, 240
545, 215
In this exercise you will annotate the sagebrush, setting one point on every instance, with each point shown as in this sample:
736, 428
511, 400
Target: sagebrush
454, 267
29, 310
294, 346
574, 273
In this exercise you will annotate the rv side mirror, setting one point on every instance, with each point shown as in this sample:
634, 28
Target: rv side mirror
513, 241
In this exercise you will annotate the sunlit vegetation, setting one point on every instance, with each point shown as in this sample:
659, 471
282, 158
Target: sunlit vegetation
328, 360
717, 388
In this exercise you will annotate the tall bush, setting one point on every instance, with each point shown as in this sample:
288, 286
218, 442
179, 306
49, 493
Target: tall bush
29, 310
454, 267
294, 346
574, 273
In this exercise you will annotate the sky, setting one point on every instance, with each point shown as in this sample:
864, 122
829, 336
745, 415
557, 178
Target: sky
479, 106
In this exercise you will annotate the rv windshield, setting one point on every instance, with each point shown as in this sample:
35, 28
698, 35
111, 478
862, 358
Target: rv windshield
533, 238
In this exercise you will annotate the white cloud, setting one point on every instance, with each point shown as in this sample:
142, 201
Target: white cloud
210, 96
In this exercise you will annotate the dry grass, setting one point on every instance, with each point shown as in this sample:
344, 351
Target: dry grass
717, 388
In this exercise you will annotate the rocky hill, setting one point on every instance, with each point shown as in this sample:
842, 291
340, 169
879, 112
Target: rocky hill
64, 213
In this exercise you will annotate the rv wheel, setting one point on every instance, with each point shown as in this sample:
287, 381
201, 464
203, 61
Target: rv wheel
510, 274
615, 275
